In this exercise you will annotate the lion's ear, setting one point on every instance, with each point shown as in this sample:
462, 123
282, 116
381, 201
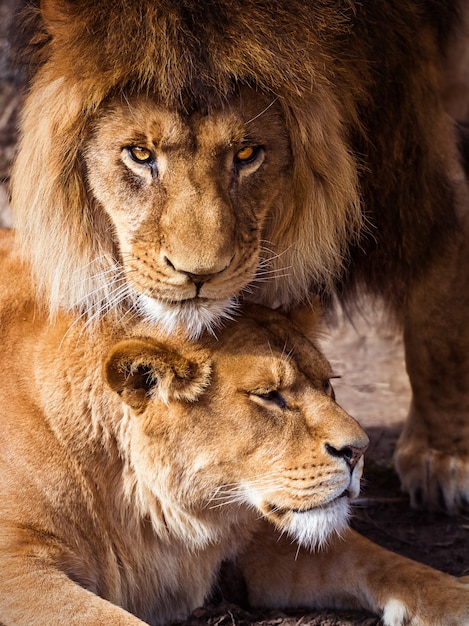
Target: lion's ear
141, 369
308, 318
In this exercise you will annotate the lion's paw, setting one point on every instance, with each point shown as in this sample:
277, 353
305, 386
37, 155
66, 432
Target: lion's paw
433, 479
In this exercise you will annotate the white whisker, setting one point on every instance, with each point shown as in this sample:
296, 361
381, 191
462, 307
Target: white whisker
266, 269
236, 493
266, 279
275, 255
275, 270
262, 112
98, 260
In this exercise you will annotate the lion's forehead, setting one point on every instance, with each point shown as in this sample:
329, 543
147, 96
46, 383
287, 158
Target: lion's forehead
144, 119
140, 120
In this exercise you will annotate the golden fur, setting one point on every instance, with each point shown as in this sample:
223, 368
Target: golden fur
176, 155
133, 464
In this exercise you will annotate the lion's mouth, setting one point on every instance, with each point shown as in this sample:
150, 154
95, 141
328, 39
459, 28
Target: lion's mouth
195, 301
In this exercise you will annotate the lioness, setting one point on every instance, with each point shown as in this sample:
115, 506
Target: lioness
176, 155
125, 484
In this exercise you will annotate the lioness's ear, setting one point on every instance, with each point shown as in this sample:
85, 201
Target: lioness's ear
308, 318
141, 369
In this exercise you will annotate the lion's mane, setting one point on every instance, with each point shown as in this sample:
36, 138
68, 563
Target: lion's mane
339, 80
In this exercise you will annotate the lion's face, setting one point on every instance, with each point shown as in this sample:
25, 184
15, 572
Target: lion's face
186, 198
265, 432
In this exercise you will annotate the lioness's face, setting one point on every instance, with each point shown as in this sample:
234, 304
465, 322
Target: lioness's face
186, 197
258, 430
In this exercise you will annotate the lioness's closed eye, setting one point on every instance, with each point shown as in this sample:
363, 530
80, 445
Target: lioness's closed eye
133, 464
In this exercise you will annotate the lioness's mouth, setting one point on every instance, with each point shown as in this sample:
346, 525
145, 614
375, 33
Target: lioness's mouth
272, 509
311, 526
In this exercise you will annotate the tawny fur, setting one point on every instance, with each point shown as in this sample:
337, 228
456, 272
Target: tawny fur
132, 465
357, 179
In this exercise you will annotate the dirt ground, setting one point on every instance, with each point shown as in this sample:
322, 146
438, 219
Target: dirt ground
373, 387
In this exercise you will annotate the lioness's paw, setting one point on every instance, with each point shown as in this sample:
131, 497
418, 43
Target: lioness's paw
433, 479
444, 606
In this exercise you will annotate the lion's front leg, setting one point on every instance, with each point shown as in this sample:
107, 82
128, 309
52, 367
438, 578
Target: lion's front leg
353, 573
432, 456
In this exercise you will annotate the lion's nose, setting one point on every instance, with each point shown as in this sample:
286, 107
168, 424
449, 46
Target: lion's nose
200, 279
350, 454
200, 274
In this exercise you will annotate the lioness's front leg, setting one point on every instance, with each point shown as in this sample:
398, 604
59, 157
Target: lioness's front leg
432, 456
38, 594
352, 572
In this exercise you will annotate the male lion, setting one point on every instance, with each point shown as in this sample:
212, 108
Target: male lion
176, 154
124, 498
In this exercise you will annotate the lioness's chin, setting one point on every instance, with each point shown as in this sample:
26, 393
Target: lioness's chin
192, 316
312, 528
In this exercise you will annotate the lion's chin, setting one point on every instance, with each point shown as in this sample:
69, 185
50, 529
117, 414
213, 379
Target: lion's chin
193, 317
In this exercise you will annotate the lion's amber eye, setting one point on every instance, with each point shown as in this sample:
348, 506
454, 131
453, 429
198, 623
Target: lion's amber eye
140, 154
247, 154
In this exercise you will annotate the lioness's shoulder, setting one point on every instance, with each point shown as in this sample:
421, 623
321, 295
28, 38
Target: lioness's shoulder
6, 242
17, 289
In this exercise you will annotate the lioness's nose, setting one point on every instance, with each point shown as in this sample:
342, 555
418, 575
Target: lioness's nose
350, 454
